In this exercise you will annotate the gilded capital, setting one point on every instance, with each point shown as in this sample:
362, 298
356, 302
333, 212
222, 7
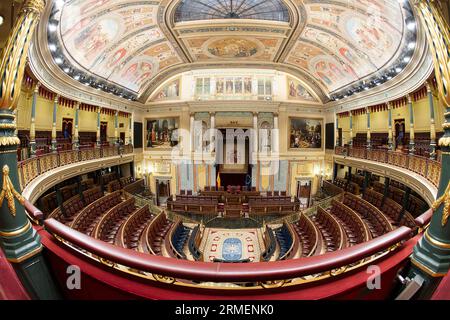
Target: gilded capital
15, 53
36, 6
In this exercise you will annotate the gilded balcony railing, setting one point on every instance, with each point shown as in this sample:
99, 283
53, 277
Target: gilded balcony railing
425, 167
31, 168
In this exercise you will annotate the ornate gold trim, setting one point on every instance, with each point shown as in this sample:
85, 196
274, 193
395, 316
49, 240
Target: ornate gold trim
427, 270
444, 199
14, 233
437, 243
8, 126
27, 256
444, 142
9, 192
9, 141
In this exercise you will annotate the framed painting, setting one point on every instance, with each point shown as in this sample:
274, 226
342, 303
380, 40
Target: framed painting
162, 133
305, 134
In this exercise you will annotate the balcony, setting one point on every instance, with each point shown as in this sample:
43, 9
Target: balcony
42, 172
420, 173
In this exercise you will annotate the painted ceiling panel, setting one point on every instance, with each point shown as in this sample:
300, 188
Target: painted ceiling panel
128, 43
117, 40
344, 41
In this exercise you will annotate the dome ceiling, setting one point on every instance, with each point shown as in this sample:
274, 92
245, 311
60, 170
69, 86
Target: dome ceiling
125, 46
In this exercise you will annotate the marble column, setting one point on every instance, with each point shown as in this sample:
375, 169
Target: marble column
350, 142
337, 142
99, 139
116, 128
76, 137
256, 136
369, 139
33, 121
130, 130
432, 123
412, 148
192, 132
212, 131
55, 110
276, 134
390, 134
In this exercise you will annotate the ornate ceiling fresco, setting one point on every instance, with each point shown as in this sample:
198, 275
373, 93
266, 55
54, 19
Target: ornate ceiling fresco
119, 41
126, 46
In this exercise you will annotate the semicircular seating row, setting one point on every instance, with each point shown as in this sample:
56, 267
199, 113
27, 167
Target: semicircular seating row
347, 221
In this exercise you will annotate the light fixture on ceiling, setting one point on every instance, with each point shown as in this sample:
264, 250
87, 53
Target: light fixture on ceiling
2, 20
411, 45
411, 25
58, 60
52, 27
52, 47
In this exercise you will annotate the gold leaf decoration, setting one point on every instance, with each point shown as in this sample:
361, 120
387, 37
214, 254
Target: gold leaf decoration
444, 199
9, 192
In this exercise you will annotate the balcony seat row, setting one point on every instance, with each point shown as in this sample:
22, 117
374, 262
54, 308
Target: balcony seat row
88, 218
285, 240
307, 234
376, 221
180, 236
108, 227
155, 234
330, 230
355, 229
131, 230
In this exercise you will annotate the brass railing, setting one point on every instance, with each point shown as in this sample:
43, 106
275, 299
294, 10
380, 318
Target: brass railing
425, 167
31, 168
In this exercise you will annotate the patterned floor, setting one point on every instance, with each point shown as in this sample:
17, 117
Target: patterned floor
232, 245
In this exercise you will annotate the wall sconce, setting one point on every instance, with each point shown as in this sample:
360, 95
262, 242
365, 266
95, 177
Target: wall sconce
2, 20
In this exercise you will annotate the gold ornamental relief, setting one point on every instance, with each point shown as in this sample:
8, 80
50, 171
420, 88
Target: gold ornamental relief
37, 6
9, 192
445, 200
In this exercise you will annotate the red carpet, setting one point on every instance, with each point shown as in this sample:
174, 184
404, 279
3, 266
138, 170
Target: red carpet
10, 286
443, 291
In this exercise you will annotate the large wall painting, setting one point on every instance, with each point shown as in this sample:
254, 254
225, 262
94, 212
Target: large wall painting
305, 133
162, 133
296, 91
170, 91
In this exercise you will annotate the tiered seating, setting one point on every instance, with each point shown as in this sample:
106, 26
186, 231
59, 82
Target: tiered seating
108, 177
416, 205
354, 227
126, 181
87, 219
331, 189
155, 234
285, 240
68, 192
179, 237
113, 186
269, 243
194, 243
108, 227
332, 234
70, 209
375, 220
136, 187
273, 205
130, 232
92, 195
308, 235
341, 183
48, 203
193, 204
